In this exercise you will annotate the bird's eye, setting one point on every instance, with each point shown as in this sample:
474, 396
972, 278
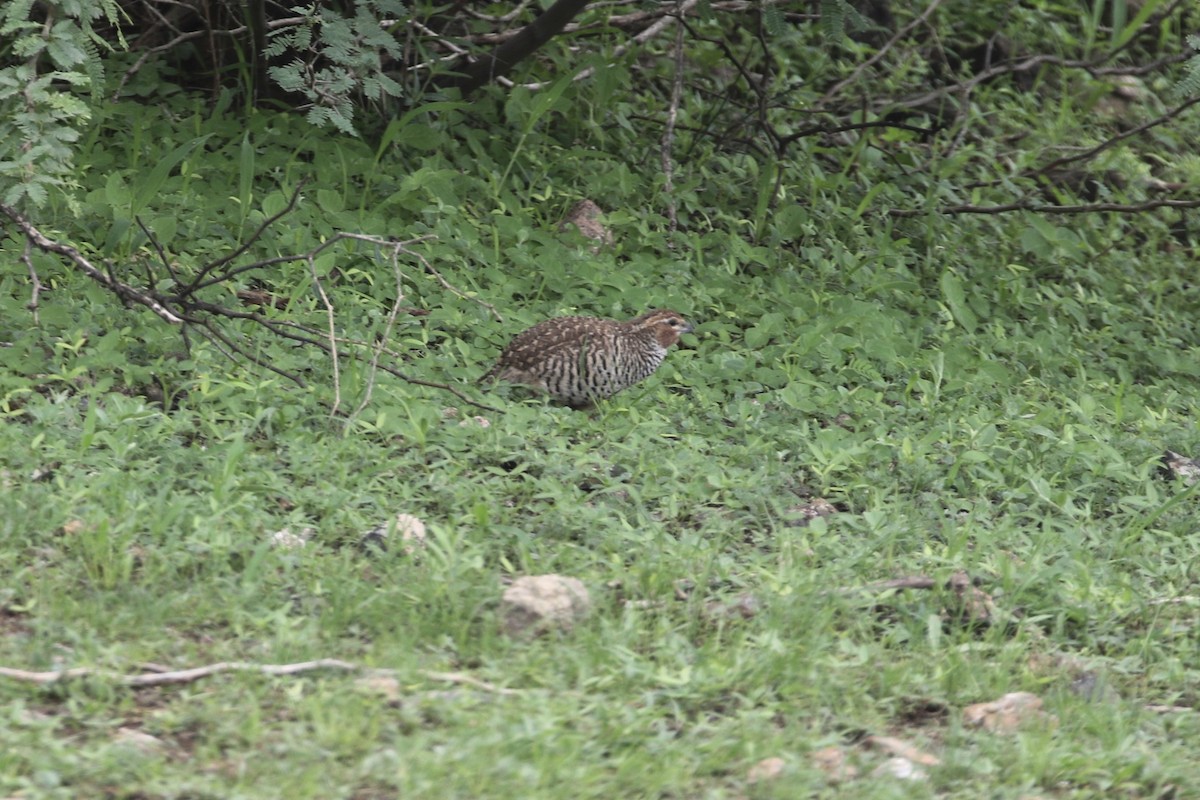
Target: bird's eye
674, 323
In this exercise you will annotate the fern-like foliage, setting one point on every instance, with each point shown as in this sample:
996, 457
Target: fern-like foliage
337, 58
1189, 84
53, 75
838, 16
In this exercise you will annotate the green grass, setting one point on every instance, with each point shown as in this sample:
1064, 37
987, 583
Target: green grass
988, 394
1043, 488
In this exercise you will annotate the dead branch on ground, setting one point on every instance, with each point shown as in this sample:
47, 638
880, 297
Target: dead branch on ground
156, 675
181, 299
1048, 208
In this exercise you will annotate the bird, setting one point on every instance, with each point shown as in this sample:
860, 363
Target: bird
578, 360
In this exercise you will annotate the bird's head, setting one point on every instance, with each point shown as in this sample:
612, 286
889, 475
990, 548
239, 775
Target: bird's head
666, 326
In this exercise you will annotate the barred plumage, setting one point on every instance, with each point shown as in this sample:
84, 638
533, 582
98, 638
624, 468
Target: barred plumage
580, 359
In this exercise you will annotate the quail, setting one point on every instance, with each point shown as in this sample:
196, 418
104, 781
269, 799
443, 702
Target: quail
579, 359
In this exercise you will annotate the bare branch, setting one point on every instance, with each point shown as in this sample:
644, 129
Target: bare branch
504, 18
162, 256
870, 62
231, 348
649, 33
36, 284
668, 137
1084, 156
542, 29
1047, 208
185, 308
380, 346
105, 279
333, 350
199, 281
147, 54
158, 676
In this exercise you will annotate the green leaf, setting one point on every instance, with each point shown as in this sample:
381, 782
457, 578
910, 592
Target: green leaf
116, 193
773, 20
546, 99
330, 200
833, 18
1127, 32
164, 228
955, 298
397, 127
153, 182
245, 173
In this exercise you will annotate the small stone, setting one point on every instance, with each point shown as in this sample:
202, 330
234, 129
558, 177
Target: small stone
802, 515
766, 770
902, 768
901, 748
537, 603
832, 761
1008, 714
1180, 466
743, 606
140, 741
384, 686
410, 528
284, 539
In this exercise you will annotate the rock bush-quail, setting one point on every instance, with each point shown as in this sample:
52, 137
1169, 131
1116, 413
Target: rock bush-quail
579, 359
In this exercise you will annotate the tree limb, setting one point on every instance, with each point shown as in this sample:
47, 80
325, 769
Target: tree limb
500, 61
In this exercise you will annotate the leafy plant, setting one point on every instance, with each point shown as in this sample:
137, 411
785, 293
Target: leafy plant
1189, 84
335, 59
55, 71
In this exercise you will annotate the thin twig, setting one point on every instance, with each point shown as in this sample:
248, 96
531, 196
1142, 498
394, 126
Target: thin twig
450, 288
906, 582
333, 349
36, 284
147, 54
649, 33
636, 18
182, 307
1024, 65
1095, 151
503, 18
829, 130
668, 137
210, 331
381, 344
105, 279
1163, 709
870, 62
455, 51
199, 281
1045, 208
464, 679
435, 385
184, 36
162, 256
158, 677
